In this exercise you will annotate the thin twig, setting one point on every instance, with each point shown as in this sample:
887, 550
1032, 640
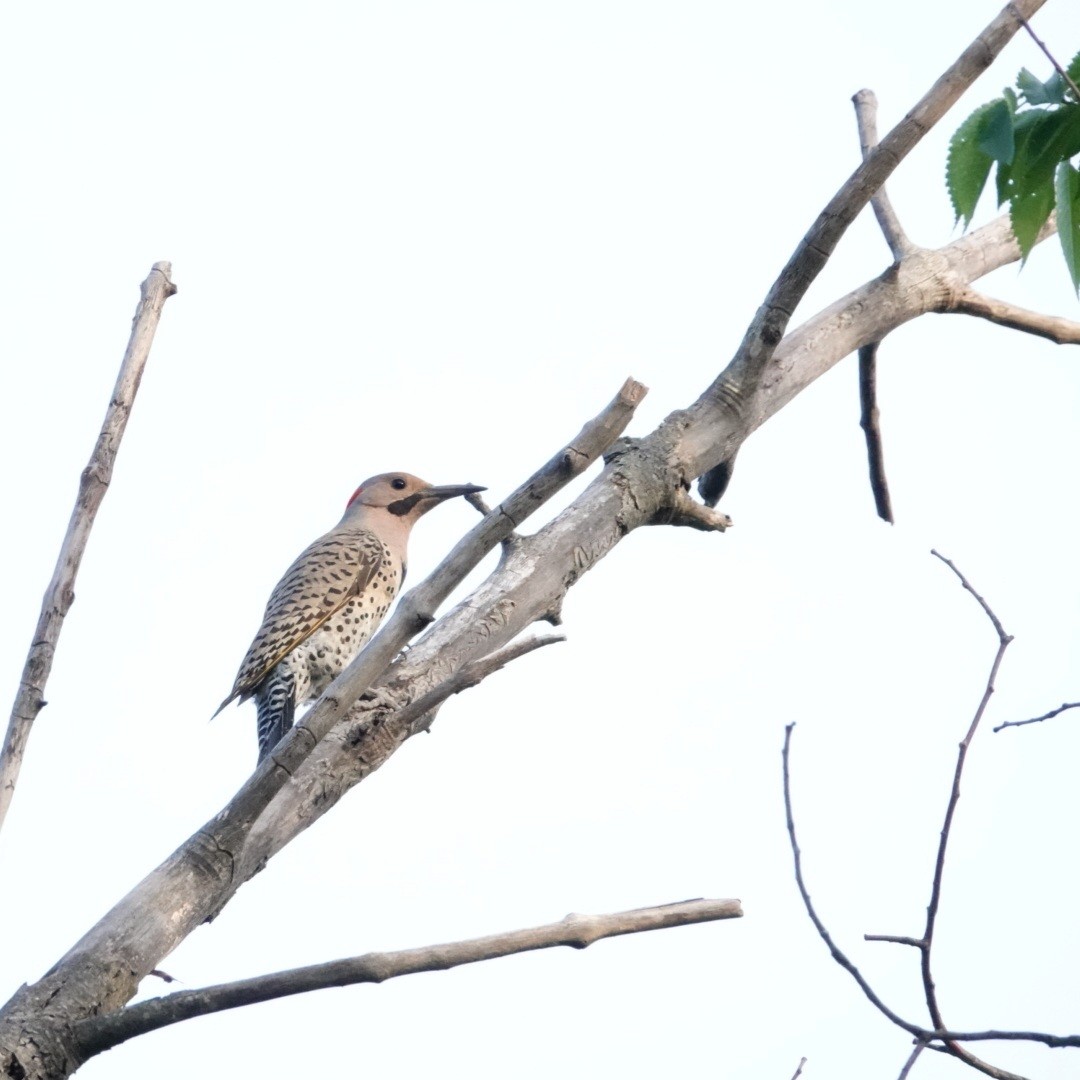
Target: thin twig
94, 482
1053, 327
1049, 55
470, 675
929, 989
896, 939
1039, 719
865, 103
869, 422
798, 1072
912, 1058
98, 1033
837, 953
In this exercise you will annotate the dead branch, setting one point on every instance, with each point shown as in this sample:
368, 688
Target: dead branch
866, 119
418, 715
1057, 329
929, 988
98, 1033
94, 482
895, 939
837, 953
912, 1058
865, 102
869, 422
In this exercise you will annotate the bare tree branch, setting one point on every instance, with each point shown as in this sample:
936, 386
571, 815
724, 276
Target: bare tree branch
950, 1040
912, 1058
900, 246
895, 939
865, 102
866, 118
1057, 329
798, 1071
728, 398
869, 422
94, 482
929, 988
418, 715
98, 1033
837, 953
1039, 719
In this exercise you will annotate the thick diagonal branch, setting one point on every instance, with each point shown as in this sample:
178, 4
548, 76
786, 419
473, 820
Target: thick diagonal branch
94, 482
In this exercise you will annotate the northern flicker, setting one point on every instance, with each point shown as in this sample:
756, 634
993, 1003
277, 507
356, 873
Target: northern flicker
331, 600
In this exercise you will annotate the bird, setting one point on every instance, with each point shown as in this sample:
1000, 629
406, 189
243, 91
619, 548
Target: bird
331, 599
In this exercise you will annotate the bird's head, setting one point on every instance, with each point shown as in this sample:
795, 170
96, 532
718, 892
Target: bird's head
405, 496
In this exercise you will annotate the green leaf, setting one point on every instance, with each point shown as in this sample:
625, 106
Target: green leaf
1073, 70
1027, 183
1067, 190
1052, 137
968, 166
1034, 92
1023, 122
1028, 213
995, 137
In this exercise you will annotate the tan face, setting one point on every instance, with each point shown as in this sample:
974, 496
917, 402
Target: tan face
387, 488
405, 495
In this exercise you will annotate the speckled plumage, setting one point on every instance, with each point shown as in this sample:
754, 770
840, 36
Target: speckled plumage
324, 602
331, 600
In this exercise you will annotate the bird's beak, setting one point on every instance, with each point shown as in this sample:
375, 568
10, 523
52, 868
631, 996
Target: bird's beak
432, 496
449, 491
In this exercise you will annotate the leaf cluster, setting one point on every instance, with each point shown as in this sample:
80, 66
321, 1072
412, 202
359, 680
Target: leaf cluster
1031, 134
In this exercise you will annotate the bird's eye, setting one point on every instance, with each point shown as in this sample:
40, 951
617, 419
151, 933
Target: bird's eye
398, 484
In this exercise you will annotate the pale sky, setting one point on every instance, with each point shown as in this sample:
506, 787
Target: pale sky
437, 237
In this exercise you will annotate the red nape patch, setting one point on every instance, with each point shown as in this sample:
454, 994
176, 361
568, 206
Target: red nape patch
354, 496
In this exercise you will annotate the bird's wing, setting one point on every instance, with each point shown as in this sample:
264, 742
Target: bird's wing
325, 576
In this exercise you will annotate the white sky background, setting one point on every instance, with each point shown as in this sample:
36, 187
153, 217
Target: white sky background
438, 237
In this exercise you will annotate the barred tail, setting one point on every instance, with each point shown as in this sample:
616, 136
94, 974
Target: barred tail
275, 702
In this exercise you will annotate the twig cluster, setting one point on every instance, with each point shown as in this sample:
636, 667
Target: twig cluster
937, 1036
